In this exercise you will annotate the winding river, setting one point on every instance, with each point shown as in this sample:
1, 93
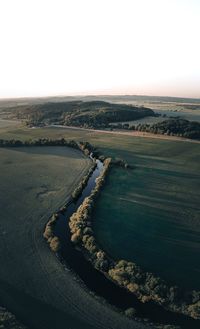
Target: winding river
96, 281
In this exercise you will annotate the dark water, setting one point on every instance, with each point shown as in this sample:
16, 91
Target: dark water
97, 282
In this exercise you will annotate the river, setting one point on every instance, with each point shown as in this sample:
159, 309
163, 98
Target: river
96, 281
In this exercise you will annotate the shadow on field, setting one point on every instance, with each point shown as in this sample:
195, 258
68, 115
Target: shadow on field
34, 313
50, 150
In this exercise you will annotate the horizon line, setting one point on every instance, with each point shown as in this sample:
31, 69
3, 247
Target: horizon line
94, 95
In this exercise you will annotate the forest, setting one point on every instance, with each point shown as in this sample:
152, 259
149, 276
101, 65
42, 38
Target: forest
94, 114
174, 127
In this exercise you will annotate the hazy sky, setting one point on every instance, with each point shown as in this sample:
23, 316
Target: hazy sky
63, 47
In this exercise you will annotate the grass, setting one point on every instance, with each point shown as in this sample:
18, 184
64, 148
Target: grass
164, 186
150, 215
6, 125
42, 176
34, 182
180, 109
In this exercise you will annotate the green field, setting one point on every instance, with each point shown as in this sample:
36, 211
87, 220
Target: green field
153, 211
34, 285
185, 110
5, 125
157, 202
149, 214
43, 177
34, 183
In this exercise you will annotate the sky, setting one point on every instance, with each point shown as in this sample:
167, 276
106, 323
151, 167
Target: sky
78, 47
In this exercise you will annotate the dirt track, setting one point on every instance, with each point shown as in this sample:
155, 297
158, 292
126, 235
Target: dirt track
131, 133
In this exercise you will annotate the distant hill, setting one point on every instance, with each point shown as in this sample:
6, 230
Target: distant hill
107, 98
92, 114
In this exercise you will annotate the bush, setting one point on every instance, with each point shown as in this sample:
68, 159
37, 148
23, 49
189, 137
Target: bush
8, 320
130, 312
195, 310
48, 232
55, 244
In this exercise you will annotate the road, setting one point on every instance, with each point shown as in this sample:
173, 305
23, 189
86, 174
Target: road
129, 133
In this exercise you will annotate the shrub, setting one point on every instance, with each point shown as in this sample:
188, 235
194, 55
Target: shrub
55, 244
194, 310
130, 312
48, 232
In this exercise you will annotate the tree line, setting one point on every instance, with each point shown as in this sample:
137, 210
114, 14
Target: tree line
170, 127
85, 147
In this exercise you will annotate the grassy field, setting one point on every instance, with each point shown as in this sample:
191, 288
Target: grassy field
182, 109
148, 214
44, 177
33, 283
151, 216
189, 111
157, 204
34, 183
8, 124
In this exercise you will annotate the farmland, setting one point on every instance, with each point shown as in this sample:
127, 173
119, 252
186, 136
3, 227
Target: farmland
165, 181
34, 182
157, 204
151, 216
158, 212
33, 283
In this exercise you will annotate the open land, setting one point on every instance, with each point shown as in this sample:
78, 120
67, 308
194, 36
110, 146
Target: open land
33, 283
164, 181
150, 215
185, 108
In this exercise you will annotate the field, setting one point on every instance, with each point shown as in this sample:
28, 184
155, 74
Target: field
157, 205
151, 219
34, 286
188, 109
162, 188
151, 216
9, 124
34, 183
46, 176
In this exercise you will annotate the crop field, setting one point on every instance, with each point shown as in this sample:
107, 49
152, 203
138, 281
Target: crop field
188, 111
185, 111
150, 214
5, 125
45, 175
161, 189
34, 183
